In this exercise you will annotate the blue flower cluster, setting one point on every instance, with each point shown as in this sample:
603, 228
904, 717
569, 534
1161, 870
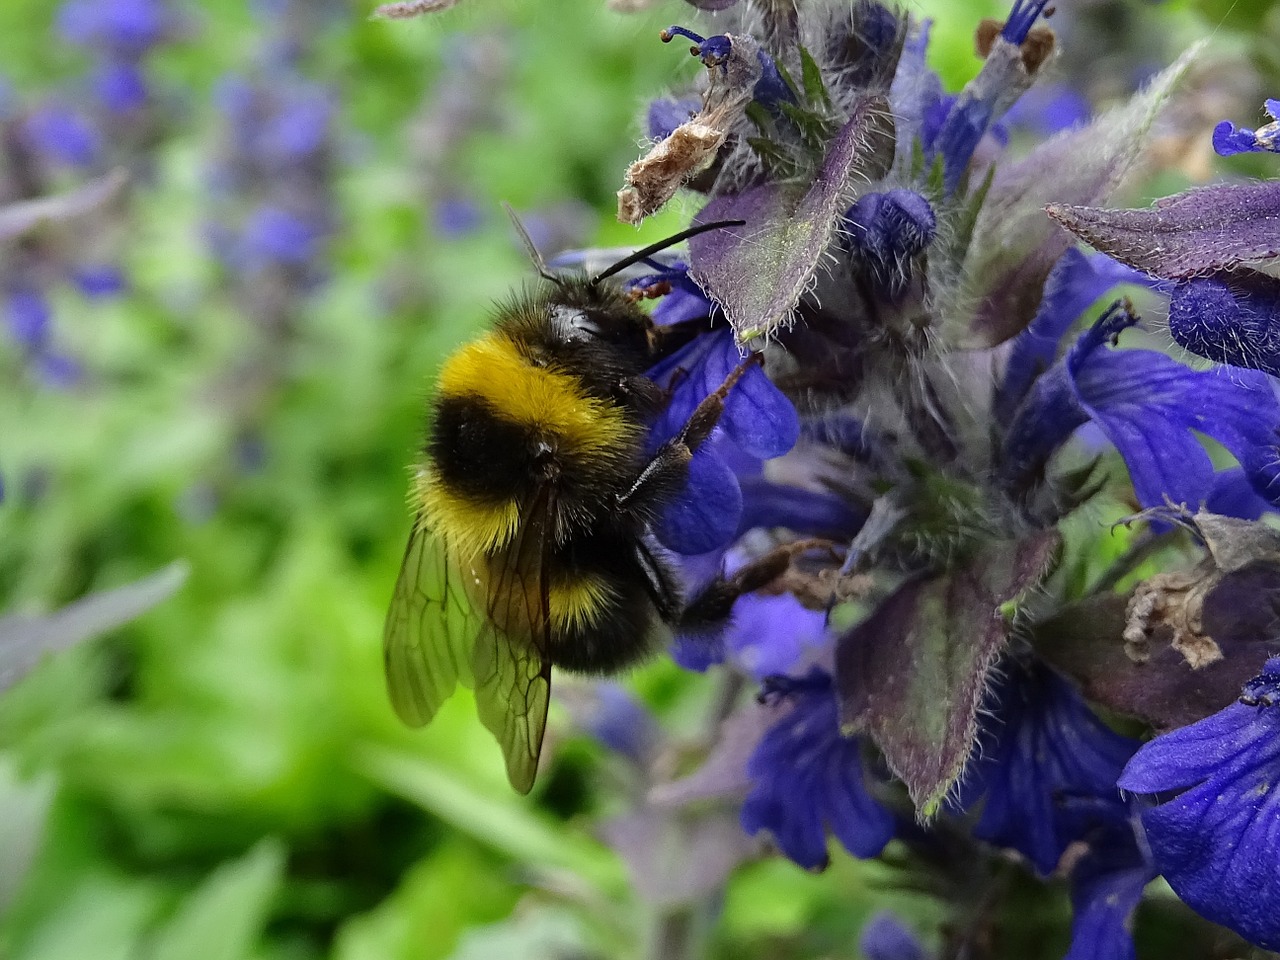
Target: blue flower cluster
946, 382
105, 121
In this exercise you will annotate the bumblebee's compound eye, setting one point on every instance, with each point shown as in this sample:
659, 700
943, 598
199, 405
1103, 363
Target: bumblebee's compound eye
573, 325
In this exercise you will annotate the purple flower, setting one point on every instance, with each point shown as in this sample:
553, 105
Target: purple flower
279, 126
99, 280
58, 370
457, 216
1148, 404
125, 27
1232, 318
770, 90
27, 316
1106, 886
758, 420
1050, 108
1077, 281
666, 114
807, 778
1228, 139
885, 938
64, 135
120, 85
886, 231
276, 235
1004, 76
1045, 769
768, 635
1213, 826
619, 721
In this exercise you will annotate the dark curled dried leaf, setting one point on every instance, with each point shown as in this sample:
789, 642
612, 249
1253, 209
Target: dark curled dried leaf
1085, 640
654, 179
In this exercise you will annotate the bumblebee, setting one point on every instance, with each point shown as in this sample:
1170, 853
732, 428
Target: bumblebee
533, 501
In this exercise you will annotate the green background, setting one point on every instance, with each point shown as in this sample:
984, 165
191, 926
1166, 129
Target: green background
223, 778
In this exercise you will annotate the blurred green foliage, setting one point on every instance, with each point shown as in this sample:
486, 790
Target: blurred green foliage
224, 779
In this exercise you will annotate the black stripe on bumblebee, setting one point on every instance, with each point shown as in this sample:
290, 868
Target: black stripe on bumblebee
533, 501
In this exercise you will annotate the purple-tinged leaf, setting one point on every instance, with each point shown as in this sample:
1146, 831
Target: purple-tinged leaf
20, 218
410, 9
1086, 641
1014, 244
24, 640
758, 272
1197, 232
913, 673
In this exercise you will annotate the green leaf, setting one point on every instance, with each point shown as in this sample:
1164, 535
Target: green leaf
224, 917
815, 90
500, 820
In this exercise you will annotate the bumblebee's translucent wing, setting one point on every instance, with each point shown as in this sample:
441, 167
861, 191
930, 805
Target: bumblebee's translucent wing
483, 625
511, 667
431, 628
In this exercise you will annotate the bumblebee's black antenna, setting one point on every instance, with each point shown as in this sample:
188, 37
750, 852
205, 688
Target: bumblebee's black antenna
653, 248
538, 263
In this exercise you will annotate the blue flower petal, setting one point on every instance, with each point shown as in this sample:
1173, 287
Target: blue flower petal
276, 235
121, 86
770, 633
806, 512
1076, 282
1137, 397
1106, 886
1228, 139
705, 515
667, 113
1232, 495
757, 415
27, 316
885, 938
1148, 404
807, 778
1047, 768
64, 135
1217, 842
1229, 318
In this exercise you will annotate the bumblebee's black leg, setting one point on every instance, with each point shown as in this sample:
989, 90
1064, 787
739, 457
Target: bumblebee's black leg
667, 471
667, 339
642, 394
710, 607
663, 591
